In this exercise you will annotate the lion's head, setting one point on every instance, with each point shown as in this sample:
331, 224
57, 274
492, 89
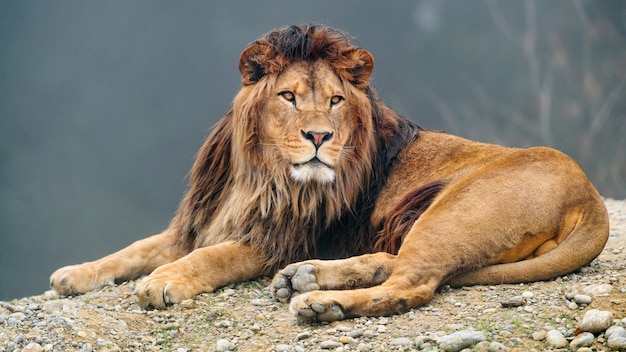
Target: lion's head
300, 158
303, 107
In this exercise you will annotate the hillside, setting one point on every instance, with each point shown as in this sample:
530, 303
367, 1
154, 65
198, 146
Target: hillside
243, 317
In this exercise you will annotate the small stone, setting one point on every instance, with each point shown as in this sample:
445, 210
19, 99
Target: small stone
570, 294
282, 347
55, 305
330, 344
496, 347
539, 335
346, 339
223, 345
460, 340
400, 341
343, 328
81, 334
615, 331
596, 321
556, 339
513, 302
584, 339
598, 290
18, 316
528, 294
50, 294
616, 338
582, 299
303, 336
32, 347
572, 305
355, 333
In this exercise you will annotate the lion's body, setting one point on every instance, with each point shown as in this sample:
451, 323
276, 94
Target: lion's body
309, 164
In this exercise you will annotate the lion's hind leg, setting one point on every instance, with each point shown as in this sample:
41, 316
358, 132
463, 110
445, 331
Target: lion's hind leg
341, 274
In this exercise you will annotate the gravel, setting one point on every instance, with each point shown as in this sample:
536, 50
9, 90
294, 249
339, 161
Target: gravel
583, 311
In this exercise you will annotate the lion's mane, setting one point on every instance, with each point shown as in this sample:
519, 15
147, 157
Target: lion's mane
236, 193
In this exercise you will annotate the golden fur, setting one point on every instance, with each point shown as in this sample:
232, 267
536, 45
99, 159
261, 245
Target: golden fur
310, 164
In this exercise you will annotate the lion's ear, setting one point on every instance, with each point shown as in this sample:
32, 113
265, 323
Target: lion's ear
361, 68
251, 63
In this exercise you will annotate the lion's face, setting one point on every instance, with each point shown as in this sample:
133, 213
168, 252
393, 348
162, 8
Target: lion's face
308, 121
303, 111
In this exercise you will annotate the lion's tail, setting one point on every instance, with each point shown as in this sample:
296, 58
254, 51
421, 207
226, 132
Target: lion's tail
584, 244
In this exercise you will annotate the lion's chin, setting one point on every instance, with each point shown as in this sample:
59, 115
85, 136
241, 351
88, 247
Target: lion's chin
313, 170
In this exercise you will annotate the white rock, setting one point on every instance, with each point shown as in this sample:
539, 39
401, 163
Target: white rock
460, 340
556, 339
223, 345
582, 340
582, 299
616, 336
596, 321
400, 341
598, 290
330, 344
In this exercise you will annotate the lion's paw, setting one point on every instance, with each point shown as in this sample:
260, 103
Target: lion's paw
293, 280
159, 293
77, 279
314, 307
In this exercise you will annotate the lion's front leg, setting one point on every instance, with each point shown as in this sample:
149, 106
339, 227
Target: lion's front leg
202, 270
355, 272
131, 262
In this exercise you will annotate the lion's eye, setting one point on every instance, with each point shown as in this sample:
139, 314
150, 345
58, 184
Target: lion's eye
289, 96
336, 100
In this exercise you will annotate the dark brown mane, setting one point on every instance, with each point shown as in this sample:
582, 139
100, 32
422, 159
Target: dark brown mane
304, 43
290, 234
405, 215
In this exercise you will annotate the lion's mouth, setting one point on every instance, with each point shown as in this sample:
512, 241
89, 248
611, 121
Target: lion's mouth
313, 169
315, 162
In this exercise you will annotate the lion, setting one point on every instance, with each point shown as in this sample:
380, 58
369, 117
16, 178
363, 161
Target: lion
356, 210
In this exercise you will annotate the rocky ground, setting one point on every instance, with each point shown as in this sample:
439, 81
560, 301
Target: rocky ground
584, 311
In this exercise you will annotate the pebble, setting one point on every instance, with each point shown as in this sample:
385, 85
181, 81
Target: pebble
460, 340
513, 302
356, 333
303, 336
598, 290
582, 299
496, 347
539, 335
556, 339
282, 348
330, 344
223, 345
584, 339
596, 321
616, 338
400, 341
33, 347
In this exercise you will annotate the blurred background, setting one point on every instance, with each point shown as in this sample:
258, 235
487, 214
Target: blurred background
103, 104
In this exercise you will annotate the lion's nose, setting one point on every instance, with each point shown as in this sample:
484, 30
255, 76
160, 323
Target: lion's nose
317, 138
